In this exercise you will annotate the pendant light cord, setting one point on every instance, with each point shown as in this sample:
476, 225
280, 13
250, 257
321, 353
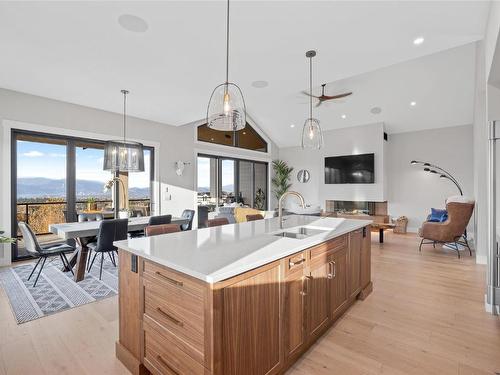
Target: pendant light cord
227, 44
124, 116
310, 87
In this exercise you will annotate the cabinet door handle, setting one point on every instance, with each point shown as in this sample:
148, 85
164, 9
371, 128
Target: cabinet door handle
332, 270
169, 317
171, 281
305, 286
292, 263
164, 363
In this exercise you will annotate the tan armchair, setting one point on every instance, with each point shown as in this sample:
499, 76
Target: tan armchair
452, 230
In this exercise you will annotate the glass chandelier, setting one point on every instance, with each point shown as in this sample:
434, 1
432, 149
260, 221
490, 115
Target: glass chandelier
226, 108
123, 155
312, 137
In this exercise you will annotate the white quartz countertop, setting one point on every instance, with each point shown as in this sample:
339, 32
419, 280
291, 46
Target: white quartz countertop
218, 253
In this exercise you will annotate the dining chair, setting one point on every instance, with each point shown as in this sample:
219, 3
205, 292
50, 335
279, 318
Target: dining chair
255, 217
187, 214
109, 231
155, 230
161, 219
42, 252
217, 222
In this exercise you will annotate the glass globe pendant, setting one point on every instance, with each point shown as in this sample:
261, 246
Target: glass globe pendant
226, 108
312, 136
123, 155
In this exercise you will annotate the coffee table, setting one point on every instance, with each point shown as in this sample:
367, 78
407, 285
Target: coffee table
381, 227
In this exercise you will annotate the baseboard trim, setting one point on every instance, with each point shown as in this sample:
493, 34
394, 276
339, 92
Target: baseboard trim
481, 259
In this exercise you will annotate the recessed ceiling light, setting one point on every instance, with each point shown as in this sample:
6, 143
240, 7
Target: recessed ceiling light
260, 84
244, 133
376, 110
418, 41
413, 104
212, 139
132, 23
343, 116
292, 125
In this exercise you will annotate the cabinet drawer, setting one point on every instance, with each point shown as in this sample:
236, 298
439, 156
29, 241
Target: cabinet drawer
295, 263
321, 250
178, 312
162, 355
173, 280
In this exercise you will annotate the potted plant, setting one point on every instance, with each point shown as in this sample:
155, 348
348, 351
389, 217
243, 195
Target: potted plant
91, 204
4, 257
282, 176
4, 239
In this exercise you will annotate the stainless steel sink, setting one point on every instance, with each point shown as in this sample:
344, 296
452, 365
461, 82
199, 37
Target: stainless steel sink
299, 233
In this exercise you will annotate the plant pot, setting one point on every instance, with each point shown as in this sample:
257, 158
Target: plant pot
123, 215
92, 206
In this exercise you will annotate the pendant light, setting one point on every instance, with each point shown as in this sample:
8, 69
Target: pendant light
226, 108
312, 137
123, 155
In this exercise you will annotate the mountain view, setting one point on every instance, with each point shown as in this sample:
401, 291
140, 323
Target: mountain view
40, 187
205, 189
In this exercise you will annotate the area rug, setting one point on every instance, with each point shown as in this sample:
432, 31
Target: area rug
55, 291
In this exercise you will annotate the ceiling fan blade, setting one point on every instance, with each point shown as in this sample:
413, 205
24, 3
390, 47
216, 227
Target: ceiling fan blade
306, 93
318, 103
326, 97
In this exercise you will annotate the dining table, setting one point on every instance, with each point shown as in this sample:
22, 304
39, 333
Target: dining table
86, 232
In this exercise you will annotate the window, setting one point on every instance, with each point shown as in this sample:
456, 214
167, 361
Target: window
246, 138
54, 178
227, 180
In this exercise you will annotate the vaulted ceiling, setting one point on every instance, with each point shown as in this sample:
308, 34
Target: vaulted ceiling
77, 52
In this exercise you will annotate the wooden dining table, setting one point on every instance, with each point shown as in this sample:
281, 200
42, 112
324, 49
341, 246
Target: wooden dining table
85, 232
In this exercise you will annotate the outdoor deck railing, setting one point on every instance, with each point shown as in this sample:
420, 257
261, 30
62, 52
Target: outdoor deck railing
39, 215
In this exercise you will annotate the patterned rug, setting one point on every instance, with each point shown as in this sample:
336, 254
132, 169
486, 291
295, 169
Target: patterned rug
56, 290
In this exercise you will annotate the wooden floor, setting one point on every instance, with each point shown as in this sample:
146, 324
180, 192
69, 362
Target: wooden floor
425, 316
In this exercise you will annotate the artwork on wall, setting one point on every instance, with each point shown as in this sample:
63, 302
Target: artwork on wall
303, 176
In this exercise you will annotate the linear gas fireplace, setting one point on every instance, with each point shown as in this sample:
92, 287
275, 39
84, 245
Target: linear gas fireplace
357, 208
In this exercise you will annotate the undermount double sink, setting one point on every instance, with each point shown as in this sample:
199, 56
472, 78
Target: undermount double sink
300, 233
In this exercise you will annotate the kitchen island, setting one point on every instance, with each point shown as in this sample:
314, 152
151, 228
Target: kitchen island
246, 298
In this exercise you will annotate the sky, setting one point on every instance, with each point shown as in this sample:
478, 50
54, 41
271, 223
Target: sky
204, 172
36, 159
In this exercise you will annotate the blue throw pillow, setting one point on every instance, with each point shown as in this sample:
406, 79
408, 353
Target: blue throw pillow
438, 216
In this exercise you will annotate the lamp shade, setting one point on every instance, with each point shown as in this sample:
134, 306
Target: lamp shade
123, 156
312, 137
226, 109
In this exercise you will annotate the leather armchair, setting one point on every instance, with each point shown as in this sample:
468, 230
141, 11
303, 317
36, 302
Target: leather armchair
451, 230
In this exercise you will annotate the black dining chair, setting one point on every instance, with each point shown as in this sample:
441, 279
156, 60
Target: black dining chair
161, 219
42, 252
109, 231
187, 214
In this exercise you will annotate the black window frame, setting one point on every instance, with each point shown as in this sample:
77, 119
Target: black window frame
237, 191
71, 142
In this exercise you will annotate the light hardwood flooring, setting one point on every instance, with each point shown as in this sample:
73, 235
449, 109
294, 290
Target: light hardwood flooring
425, 316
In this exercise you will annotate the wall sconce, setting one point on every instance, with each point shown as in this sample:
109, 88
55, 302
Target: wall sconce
179, 167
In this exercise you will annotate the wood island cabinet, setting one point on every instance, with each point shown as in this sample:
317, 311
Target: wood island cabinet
258, 322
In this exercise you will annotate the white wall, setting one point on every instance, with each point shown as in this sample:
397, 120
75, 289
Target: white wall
354, 140
411, 191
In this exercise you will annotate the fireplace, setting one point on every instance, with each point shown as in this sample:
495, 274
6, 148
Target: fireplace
358, 208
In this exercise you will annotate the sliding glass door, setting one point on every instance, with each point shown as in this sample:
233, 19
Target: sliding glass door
224, 180
54, 178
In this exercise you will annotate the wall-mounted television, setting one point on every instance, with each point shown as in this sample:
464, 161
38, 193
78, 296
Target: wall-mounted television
350, 169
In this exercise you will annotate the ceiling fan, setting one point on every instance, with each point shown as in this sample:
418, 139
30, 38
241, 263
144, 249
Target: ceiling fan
323, 98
